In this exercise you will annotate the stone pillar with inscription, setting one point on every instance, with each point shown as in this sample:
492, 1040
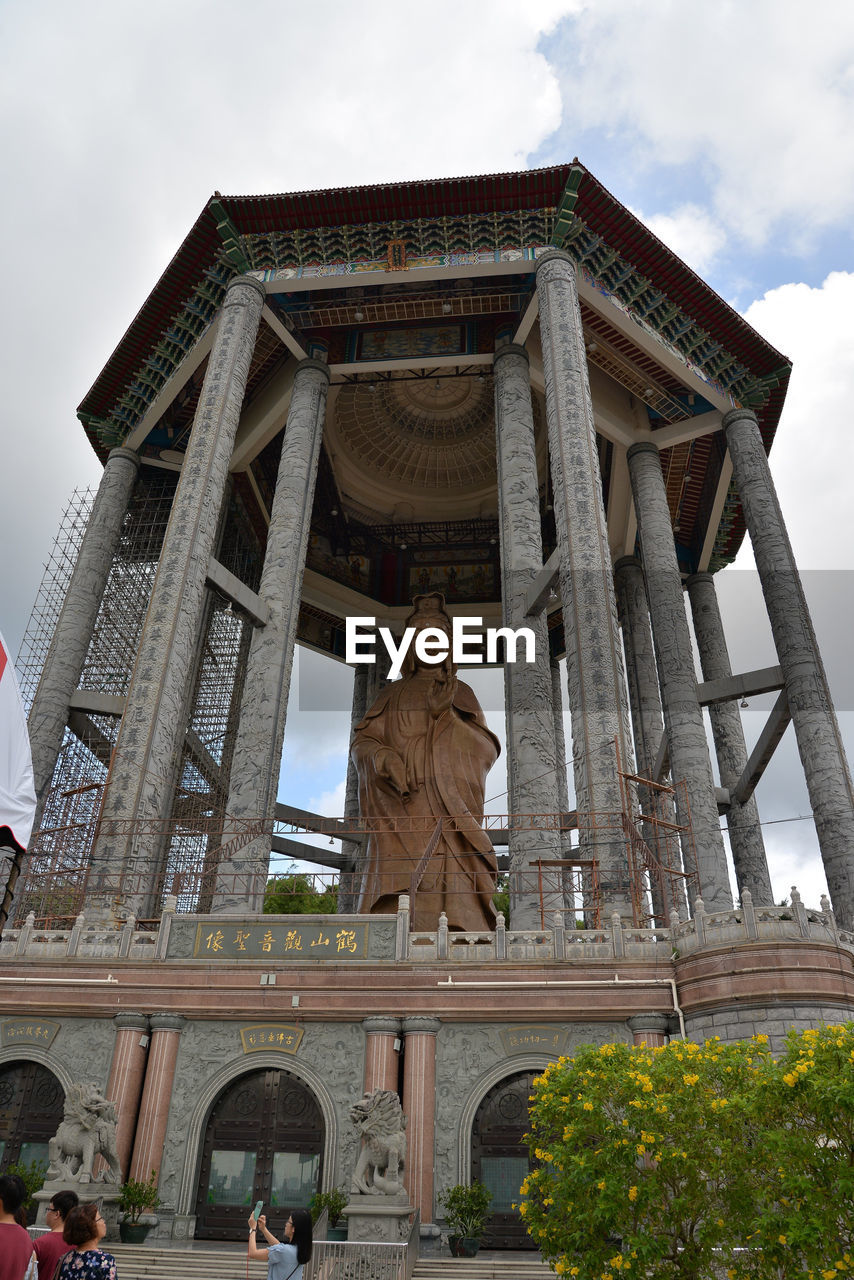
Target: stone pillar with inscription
138, 792
68, 648
817, 732
745, 833
381, 1056
257, 756
419, 1105
595, 676
166, 1031
527, 685
350, 881
648, 726
683, 716
127, 1072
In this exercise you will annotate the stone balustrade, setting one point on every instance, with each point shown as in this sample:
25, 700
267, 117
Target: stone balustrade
562, 940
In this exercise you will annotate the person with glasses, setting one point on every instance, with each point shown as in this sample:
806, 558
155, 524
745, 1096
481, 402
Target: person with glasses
84, 1230
51, 1246
285, 1261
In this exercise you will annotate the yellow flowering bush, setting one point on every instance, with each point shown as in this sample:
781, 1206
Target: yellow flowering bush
805, 1218
649, 1172
697, 1160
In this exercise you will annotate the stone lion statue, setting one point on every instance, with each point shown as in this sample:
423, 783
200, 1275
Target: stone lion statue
381, 1125
88, 1129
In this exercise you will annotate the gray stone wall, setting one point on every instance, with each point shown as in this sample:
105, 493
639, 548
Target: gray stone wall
81, 1050
470, 1059
741, 1021
330, 1061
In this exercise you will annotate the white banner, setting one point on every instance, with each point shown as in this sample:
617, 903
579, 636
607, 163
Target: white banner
17, 794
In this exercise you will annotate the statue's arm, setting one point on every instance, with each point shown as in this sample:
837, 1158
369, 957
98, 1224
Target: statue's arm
373, 757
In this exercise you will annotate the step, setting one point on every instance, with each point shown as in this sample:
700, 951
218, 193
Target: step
485, 1266
196, 1260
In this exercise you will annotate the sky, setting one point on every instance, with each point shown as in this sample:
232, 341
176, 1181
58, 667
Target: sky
726, 127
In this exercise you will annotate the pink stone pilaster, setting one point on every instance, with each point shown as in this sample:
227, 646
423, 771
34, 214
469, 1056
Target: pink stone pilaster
156, 1095
419, 1105
380, 1053
649, 1029
127, 1072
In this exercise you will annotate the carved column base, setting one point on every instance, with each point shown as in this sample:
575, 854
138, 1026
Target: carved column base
379, 1219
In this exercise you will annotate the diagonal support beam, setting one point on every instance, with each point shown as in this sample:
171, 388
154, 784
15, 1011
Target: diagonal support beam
540, 588
775, 727
224, 581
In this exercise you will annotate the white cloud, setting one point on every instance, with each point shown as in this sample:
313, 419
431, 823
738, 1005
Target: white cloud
329, 803
117, 122
812, 457
758, 98
691, 232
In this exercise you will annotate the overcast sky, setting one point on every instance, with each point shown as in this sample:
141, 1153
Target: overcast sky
727, 127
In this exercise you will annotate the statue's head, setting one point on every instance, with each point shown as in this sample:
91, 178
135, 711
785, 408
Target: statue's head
428, 612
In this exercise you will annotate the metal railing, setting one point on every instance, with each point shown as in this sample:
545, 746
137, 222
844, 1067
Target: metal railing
355, 1260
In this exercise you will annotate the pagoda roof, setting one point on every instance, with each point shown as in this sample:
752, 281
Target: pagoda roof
594, 206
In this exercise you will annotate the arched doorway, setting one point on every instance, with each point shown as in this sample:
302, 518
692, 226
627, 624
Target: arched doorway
264, 1141
499, 1157
31, 1105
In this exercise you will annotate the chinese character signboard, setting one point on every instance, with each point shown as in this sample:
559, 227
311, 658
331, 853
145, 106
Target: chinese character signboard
216, 940
27, 1031
270, 1035
529, 1038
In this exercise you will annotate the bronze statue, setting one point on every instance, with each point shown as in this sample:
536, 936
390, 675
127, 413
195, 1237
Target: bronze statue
423, 751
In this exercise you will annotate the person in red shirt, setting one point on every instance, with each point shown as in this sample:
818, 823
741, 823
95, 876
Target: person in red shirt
51, 1246
16, 1247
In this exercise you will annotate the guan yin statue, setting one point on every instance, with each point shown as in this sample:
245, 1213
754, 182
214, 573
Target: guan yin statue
423, 752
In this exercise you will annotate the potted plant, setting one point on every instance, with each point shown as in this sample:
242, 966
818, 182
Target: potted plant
334, 1202
465, 1207
134, 1198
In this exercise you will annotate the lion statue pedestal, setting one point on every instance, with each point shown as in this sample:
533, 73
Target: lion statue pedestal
379, 1209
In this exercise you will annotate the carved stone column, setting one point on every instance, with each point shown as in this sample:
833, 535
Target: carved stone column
350, 881
166, 1031
127, 1071
70, 644
745, 833
560, 740
527, 686
263, 709
139, 785
380, 1054
816, 728
683, 716
647, 720
419, 1107
595, 676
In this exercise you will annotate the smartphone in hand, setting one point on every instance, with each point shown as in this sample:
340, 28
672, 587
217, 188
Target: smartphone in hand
256, 1212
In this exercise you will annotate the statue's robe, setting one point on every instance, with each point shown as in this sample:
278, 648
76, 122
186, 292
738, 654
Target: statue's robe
447, 759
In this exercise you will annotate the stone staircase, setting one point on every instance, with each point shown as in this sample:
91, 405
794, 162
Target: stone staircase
203, 1262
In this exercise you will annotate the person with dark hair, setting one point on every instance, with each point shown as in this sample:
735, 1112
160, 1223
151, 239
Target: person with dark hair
51, 1246
84, 1230
21, 1211
16, 1247
284, 1261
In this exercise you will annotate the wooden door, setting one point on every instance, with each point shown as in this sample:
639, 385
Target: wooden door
264, 1141
499, 1158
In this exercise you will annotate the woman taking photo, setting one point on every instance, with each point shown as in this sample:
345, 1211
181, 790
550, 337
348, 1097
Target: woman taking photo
84, 1230
284, 1261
